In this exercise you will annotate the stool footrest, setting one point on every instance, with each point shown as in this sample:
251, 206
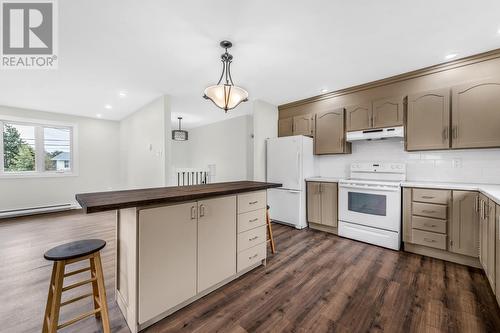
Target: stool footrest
80, 317
78, 271
76, 299
78, 284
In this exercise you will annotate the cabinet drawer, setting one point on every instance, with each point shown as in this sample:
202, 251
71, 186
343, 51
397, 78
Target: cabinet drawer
427, 238
429, 224
251, 220
251, 256
251, 238
251, 201
431, 196
429, 210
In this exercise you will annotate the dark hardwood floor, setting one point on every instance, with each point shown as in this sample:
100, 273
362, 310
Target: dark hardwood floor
315, 283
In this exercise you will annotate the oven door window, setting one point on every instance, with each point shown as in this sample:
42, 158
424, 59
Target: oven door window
372, 204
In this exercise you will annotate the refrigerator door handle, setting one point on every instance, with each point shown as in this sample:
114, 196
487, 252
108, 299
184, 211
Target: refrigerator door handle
298, 167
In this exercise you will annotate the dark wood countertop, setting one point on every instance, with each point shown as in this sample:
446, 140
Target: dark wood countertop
103, 201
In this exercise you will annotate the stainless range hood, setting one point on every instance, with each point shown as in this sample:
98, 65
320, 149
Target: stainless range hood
377, 134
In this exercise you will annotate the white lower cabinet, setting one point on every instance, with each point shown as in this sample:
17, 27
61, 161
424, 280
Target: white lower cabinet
167, 258
251, 256
185, 250
216, 241
252, 232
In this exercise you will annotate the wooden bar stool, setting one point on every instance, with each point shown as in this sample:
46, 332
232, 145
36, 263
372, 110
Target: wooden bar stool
70, 253
270, 231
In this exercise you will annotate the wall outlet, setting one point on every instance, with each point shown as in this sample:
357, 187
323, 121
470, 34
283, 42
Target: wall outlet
457, 163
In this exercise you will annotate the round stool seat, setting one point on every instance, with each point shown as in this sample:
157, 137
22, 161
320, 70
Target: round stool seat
74, 249
268, 207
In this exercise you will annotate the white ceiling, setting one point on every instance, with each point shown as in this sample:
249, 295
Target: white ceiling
283, 50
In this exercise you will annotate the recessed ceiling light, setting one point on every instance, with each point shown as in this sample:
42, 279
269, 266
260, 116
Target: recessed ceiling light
450, 56
98, 115
122, 94
324, 90
108, 106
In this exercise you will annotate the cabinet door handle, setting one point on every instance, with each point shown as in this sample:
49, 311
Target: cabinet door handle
254, 256
428, 240
430, 225
428, 211
454, 132
253, 238
202, 210
498, 226
252, 202
253, 220
445, 133
481, 209
193, 212
427, 197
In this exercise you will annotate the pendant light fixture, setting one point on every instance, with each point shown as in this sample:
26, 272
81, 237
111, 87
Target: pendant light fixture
179, 135
226, 95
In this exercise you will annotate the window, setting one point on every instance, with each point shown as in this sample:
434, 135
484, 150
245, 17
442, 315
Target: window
36, 148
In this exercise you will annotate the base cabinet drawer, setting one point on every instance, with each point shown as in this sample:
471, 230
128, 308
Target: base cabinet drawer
431, 196
429, 224
430, 239
251, 238
429, 210
248, 202
251, 256
251, 220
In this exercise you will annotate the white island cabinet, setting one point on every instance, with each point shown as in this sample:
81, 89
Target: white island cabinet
171, 255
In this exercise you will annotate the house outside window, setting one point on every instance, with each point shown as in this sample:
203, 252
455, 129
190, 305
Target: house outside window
31, 148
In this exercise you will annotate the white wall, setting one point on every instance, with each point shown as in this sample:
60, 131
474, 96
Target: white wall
227, 144
98, 166
473, 166
265, 126
145, 151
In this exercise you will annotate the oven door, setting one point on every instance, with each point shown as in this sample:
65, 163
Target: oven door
371, 205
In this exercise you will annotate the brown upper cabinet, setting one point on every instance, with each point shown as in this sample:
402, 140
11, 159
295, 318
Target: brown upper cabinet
428, 120
384, 112
329, 135
285, 126
358, 117
298, 125
387, 112
476, 115
303, 125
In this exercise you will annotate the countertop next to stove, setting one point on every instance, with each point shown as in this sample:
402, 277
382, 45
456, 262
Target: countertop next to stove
490, 190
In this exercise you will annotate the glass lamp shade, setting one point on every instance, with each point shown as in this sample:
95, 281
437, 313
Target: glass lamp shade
226, 96
179, 135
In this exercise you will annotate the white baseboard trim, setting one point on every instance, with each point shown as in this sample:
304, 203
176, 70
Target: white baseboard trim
4, 214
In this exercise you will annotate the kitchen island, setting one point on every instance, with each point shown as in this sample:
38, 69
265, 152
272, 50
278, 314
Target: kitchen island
177, 244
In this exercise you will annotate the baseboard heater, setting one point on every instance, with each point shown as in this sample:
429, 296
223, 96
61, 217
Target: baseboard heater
36, 210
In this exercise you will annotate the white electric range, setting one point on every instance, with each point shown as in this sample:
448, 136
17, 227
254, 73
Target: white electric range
370, 203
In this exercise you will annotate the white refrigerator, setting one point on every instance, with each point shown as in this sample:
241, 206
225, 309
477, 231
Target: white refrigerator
289, 162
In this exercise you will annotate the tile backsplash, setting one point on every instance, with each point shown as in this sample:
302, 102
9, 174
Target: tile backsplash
464, 166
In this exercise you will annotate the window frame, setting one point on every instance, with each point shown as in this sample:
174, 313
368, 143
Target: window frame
39, 125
